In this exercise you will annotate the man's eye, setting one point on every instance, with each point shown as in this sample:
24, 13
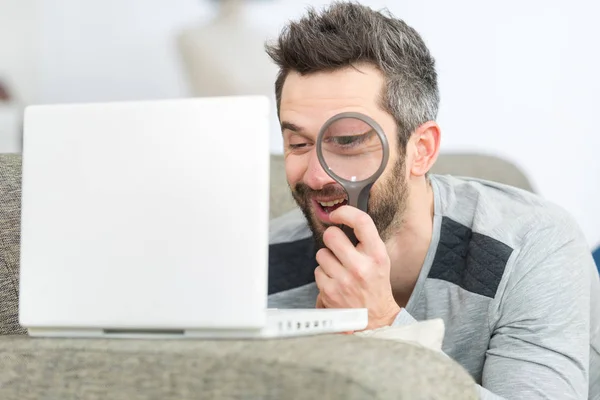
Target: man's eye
298, 145
346, 140
349, 141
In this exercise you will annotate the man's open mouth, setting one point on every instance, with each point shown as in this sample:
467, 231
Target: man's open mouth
329, 206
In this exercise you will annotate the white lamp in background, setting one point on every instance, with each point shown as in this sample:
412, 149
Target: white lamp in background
225, 57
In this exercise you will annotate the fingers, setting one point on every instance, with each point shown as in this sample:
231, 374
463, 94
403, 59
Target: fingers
364, 228
340, 246
329, 264
333, 280
323, 282
326, 271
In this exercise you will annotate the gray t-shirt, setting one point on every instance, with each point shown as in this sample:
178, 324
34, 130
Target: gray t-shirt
510, 274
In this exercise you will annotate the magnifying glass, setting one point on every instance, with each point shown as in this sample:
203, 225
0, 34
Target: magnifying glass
353, 151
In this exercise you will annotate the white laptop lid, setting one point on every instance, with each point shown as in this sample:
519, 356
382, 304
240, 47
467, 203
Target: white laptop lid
146, 215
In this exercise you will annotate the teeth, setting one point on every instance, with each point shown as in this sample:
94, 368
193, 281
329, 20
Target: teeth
331, 203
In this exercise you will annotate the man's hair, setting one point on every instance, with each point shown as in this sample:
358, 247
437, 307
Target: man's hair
346, 34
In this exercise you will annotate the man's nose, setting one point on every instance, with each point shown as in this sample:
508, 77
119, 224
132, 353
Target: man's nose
315, 176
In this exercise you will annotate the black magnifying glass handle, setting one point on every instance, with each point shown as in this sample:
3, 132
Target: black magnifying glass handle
350, 233
358, 196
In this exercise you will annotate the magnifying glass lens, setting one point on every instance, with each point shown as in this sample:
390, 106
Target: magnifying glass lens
352, 149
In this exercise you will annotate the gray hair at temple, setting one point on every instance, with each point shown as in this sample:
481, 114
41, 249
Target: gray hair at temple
345, 34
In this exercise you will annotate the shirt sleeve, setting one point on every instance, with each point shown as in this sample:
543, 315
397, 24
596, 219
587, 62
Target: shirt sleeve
540, 325
540, 322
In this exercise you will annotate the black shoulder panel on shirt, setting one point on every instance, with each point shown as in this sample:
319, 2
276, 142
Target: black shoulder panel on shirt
473, 261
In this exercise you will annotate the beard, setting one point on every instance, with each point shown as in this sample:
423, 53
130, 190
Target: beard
387, 203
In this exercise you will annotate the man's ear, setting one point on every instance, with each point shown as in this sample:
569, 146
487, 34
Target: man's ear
426, 144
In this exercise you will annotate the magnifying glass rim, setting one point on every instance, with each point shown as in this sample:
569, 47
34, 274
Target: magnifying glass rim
373, 124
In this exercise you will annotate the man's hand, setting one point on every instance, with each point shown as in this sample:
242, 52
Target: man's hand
355, 277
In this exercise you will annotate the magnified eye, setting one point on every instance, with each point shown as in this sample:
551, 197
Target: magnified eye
351, 149
351, 140
345, 140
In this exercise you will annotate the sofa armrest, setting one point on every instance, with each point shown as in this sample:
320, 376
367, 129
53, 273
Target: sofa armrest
318, 367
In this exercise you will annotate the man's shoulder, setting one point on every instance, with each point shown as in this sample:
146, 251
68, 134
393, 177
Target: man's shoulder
289, 227
508, 214
502, 234
291, 252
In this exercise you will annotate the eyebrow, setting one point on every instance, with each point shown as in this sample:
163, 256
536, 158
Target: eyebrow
290, 127
297, 130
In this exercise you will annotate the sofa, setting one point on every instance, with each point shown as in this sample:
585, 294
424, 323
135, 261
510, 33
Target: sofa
334, 366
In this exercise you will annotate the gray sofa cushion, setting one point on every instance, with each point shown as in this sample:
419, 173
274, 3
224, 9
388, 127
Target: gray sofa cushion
323, 367
10, 227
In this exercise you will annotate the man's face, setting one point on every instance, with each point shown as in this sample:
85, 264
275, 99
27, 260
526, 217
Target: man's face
307, 102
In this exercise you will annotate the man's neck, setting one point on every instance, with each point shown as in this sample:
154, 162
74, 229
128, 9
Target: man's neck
408, 248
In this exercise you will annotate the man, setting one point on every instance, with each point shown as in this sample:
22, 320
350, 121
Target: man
510, 274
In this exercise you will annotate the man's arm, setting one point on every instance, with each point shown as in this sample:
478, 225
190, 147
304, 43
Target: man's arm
539, 346
540, 343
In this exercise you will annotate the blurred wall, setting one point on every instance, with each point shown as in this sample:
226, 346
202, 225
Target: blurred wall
102, 50
19, 40
518, 79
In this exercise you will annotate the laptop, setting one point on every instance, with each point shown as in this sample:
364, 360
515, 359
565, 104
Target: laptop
150, 219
